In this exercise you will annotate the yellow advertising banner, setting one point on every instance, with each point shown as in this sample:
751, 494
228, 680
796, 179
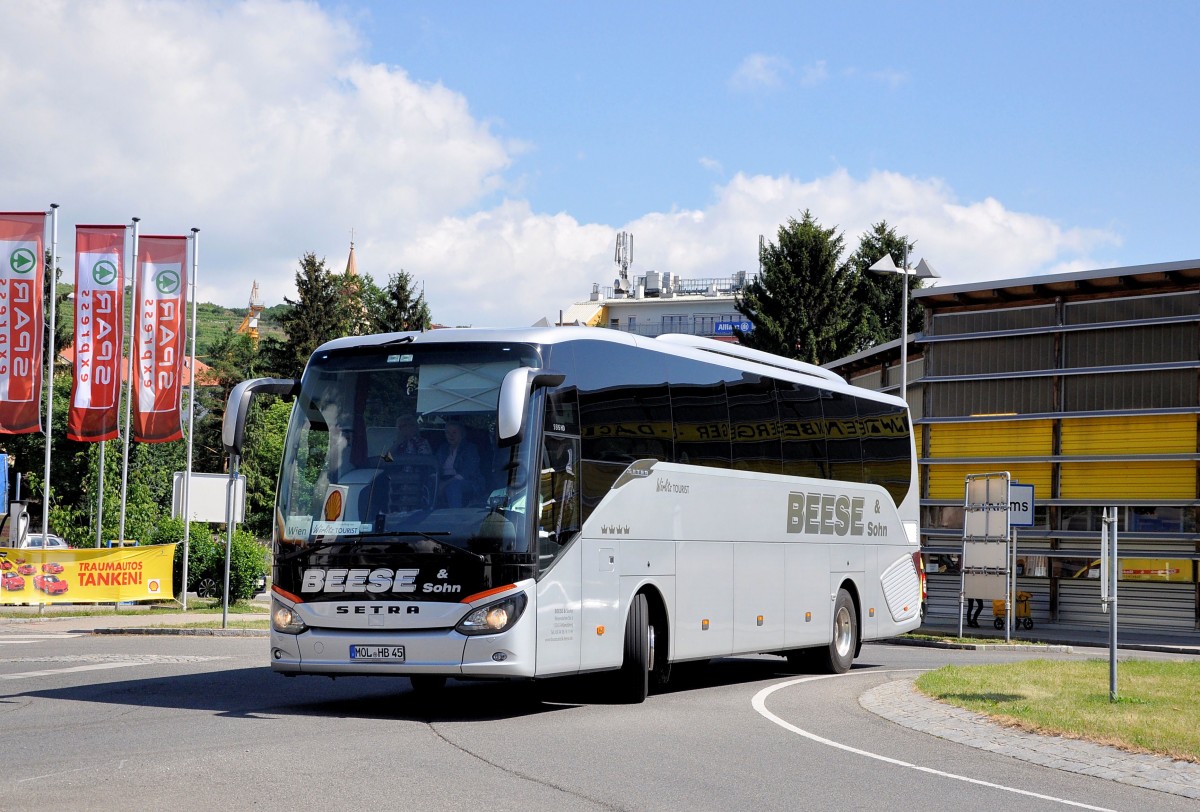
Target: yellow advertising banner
86, 576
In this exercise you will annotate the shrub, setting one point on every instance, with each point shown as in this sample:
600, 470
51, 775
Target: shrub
206, 560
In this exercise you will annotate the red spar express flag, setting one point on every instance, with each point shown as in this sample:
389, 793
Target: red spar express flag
21, 269
161, 300
99, 319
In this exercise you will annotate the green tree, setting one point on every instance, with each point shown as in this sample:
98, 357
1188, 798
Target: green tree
266, 426
802, 305
232, 359
317, 315
879, 295
400, 307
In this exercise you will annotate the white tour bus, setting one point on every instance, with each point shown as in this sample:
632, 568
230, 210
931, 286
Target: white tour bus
531, 503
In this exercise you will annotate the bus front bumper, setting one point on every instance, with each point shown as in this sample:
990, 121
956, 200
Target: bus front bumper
443, 652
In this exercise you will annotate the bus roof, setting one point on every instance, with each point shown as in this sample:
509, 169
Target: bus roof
699, 348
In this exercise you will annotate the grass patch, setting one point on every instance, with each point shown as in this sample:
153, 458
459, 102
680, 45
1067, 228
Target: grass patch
1156, 711
215, 624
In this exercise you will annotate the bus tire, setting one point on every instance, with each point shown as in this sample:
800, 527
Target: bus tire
633, 680
839, 654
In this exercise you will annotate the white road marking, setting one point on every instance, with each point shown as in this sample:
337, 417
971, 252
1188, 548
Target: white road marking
52, 671
21, 639
760, 704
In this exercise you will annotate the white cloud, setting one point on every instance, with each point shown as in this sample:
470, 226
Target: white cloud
514, 266
965, 242
712, 165
814, 74
256, 122
760, 72
260, 123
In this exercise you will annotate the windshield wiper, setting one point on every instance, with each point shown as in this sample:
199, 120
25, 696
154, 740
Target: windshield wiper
320, 545
431, 536
428, 536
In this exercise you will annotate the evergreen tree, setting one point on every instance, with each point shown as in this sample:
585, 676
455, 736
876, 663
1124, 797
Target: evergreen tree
400, 307
878, 295
317, 315
802, 305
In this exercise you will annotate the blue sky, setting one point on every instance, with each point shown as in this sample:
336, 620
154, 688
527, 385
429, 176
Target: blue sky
493, 150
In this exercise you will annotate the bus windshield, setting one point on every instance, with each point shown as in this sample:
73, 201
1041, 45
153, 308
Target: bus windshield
394, 446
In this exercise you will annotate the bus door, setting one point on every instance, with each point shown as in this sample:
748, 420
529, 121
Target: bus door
559, 598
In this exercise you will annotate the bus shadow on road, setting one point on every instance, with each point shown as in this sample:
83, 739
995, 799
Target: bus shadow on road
259, 693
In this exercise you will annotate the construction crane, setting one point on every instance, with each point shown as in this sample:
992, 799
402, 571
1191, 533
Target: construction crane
250, 322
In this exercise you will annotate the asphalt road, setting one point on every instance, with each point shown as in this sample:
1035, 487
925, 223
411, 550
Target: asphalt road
128, 722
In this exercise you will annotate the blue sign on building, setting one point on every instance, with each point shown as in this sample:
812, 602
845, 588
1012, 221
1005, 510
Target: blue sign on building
726, 328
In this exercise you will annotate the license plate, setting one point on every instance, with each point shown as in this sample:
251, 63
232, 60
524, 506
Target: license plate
394, 654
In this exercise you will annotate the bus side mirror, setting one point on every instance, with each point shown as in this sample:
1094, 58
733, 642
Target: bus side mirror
233, 427
514, 398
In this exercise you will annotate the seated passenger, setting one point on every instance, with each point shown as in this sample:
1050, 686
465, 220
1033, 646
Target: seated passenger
408, 440
458, 467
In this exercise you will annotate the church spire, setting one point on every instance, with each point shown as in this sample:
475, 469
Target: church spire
351, 265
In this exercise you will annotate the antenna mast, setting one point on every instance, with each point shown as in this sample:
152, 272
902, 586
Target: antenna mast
624, 258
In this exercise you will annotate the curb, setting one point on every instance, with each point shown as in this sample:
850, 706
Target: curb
187, 632
900, 641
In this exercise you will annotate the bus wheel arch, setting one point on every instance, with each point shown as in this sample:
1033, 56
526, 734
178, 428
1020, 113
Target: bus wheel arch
852, 588
645, 656
660, 653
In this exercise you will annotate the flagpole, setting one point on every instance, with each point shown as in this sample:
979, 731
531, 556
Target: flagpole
50, 367
133, 309
187, 477
100, 495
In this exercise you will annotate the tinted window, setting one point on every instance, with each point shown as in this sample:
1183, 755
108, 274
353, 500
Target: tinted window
624, 404
886, 448
843, 432
754, 425
700, 413
802, 431
624, 413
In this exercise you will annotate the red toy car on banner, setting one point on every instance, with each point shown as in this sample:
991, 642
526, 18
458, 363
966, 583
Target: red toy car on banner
52, 566
26, 569
13, 582
50, 584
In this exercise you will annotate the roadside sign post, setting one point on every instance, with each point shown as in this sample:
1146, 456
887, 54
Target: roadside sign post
1108, 591
1020, 514
984, 563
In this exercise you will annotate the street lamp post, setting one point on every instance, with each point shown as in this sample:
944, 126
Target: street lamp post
923, 271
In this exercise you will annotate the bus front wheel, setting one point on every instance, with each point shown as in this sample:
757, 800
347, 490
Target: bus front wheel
633, 680
839, 654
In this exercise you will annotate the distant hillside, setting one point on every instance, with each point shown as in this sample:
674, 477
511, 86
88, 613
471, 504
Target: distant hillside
211, 320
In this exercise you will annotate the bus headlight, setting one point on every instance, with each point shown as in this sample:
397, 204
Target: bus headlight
286, 620
494, 617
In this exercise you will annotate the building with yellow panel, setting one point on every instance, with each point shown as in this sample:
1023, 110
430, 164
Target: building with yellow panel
1085, 385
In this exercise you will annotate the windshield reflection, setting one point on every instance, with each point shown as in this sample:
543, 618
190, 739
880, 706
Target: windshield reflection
400, 448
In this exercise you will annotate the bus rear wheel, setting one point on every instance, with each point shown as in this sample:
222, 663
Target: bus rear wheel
633, 680
838, 656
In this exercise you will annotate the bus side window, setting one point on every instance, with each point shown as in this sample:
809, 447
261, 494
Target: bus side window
558, 496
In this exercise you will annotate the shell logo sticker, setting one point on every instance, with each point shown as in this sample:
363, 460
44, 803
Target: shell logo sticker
335, 503
154, 586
